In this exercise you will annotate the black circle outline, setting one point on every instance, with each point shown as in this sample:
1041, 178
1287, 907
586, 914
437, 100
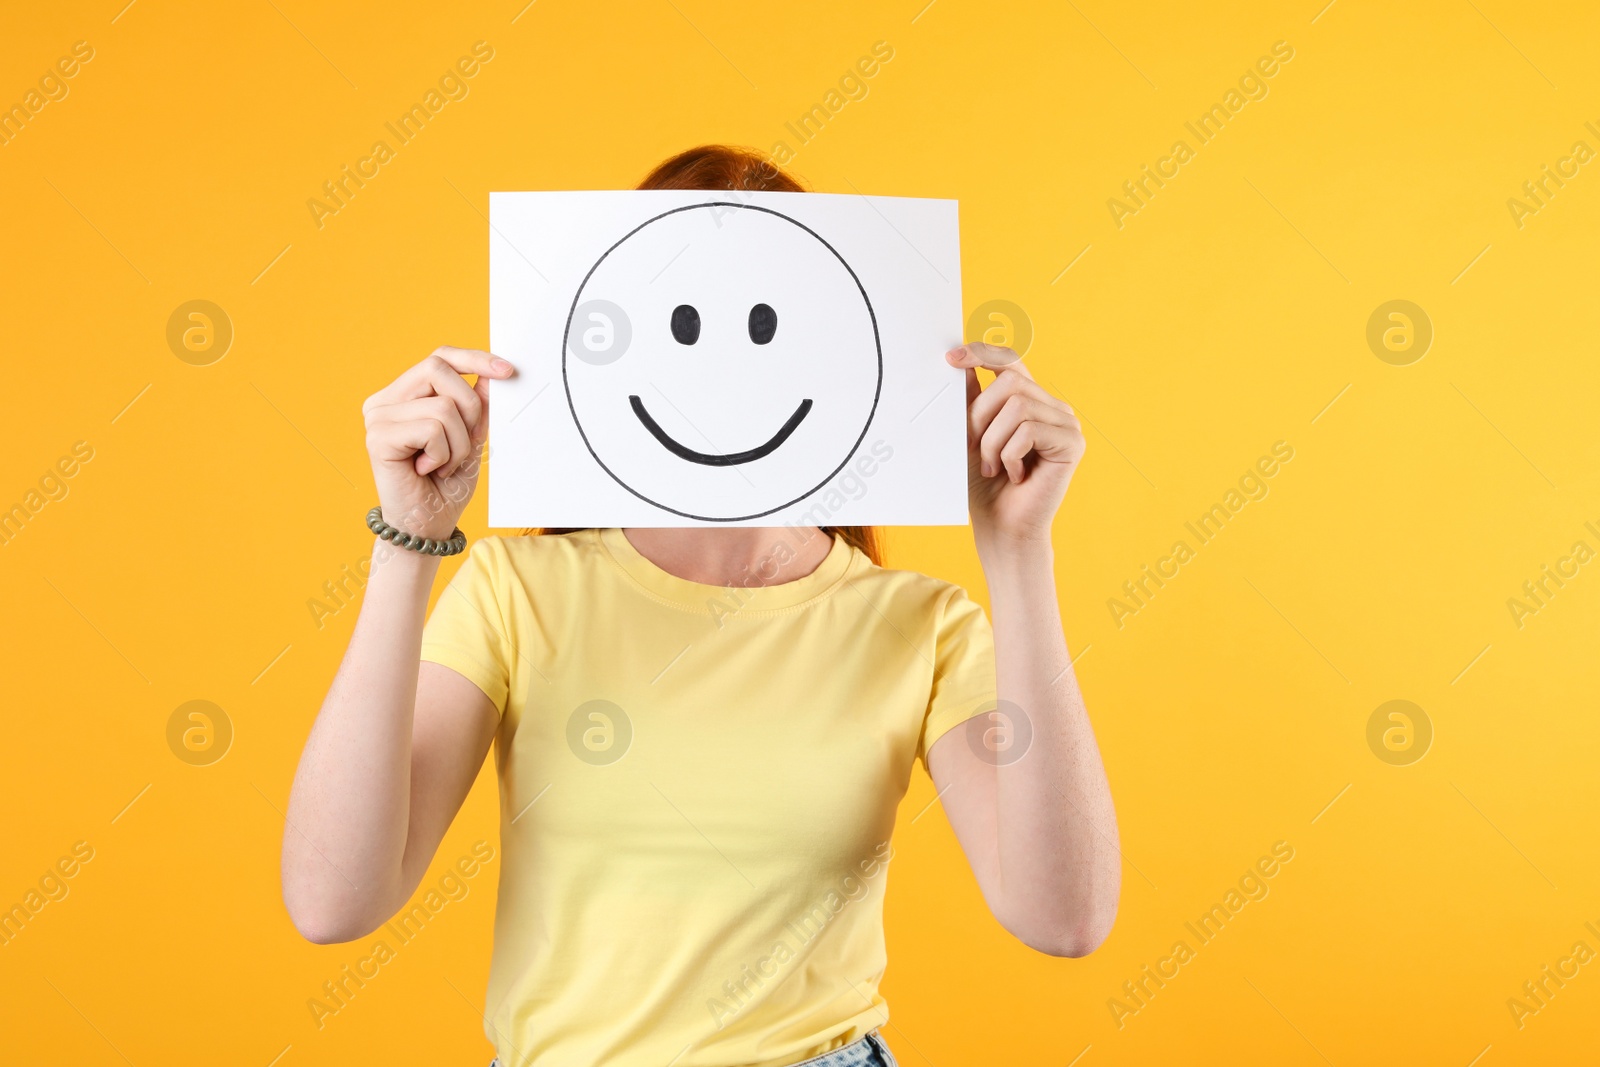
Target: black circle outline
877, 343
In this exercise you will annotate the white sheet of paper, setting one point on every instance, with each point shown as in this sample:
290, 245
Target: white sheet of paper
725, 359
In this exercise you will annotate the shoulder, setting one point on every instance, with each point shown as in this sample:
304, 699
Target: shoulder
911, 590
519, 558
540, 549
934, 615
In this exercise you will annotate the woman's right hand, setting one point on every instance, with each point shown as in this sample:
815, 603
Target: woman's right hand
425, 434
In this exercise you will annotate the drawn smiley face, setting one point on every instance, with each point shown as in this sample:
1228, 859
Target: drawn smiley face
722, 362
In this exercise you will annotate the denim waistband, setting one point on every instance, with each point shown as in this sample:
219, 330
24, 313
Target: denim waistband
869, 1051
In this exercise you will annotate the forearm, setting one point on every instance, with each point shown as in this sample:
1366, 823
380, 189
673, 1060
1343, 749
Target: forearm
349, 811
1056, 854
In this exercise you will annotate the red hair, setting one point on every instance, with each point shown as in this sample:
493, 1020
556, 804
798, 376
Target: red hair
713, 167
716, 166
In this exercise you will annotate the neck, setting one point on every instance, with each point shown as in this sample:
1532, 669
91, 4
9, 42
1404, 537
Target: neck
747, 556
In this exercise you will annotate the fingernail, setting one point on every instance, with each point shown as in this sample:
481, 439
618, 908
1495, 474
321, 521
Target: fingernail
987, 469
500, 366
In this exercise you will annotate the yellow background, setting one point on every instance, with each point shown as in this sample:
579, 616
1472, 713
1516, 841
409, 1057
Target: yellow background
1223, 317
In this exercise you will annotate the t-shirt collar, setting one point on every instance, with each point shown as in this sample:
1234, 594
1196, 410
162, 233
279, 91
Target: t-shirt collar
716, 599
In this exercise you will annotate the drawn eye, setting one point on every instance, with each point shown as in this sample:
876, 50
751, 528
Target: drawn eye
763, 323
686, 324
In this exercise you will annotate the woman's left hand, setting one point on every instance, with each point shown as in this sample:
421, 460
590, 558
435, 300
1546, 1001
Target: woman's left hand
1023, 446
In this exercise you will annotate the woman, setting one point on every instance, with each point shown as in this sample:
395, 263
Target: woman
703, 735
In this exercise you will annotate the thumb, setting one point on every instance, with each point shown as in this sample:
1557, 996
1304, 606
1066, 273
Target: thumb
978, 354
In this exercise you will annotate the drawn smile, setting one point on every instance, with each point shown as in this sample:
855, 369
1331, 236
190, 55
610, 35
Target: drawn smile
731, 459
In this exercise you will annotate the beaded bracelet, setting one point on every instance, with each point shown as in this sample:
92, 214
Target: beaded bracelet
426, 545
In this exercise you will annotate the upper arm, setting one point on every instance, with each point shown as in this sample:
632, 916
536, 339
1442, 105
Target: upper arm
966, 789
454, 725
461, 687
959, 730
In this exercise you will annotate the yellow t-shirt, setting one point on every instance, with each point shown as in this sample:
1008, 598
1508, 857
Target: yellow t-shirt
697, 789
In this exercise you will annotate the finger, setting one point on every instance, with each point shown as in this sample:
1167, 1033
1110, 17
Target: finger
474, 361
1051, 442
421, 441
442, 410
418, 380
973, 391
456, 432
481, 389
1006, 385
981, 412
1012, 414
1014, 456
991, 357
447, 383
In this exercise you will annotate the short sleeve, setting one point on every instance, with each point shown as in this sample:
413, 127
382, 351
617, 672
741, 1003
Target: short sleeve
467, 630
963, 669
